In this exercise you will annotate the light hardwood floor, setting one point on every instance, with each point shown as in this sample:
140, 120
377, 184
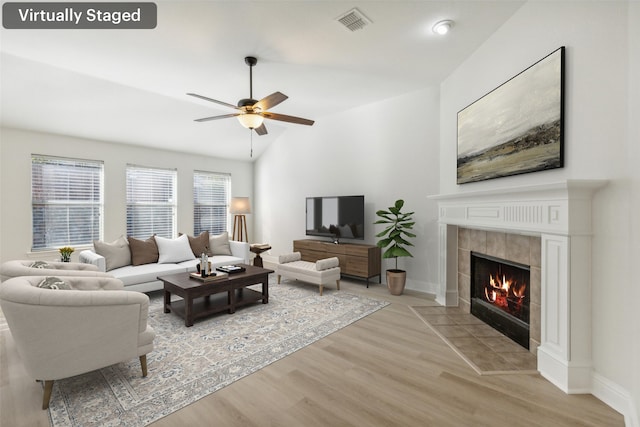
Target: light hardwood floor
388, 369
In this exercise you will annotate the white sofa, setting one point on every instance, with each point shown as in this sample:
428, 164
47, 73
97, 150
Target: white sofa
79, 325
143, 278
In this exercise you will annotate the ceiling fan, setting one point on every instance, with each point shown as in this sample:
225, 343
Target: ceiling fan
252, 113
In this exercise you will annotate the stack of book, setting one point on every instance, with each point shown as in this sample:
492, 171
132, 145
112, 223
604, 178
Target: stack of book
231, 269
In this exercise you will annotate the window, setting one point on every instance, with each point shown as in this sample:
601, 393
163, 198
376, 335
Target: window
210, 202
151, 202
66, 201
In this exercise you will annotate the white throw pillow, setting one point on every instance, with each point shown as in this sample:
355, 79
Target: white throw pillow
173, 250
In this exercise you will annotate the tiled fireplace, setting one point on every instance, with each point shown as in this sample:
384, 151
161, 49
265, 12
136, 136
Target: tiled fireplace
499, 282
547, 228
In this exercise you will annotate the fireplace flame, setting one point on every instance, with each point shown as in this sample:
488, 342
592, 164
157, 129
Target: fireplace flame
505, 293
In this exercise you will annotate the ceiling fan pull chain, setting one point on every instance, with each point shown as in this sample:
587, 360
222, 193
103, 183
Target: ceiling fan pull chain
251, 135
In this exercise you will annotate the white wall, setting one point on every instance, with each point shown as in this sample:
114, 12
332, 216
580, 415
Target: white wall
16, 147
386, 151
598, 145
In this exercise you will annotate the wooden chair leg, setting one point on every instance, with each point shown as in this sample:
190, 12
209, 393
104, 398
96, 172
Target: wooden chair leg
338, 284
143, 363
320, 290
278, 279
48, 387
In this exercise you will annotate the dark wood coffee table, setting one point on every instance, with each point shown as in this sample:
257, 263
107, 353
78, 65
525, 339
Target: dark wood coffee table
203, 299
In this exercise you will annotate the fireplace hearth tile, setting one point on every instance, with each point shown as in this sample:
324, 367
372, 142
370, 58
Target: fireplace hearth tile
503, 345
438, 319
482, 330
465, 319
486, 350
452, 331
470, 345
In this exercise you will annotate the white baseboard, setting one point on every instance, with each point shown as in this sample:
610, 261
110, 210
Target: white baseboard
616, 397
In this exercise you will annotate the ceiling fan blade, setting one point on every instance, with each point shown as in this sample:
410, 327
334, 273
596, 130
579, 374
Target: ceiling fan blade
261, 130
214, 100
285, 118
224, 116
270, 101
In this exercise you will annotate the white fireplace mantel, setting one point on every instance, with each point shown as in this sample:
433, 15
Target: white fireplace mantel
560, 213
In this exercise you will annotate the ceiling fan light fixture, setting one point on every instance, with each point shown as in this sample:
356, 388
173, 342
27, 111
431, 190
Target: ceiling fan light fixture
443, 27
250, 120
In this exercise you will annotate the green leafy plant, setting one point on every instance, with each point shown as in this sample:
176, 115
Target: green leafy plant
396, 232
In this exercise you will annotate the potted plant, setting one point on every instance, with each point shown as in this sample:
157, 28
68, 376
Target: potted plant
394, 237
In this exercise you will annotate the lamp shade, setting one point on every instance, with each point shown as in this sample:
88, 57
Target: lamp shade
240, 206
250, 120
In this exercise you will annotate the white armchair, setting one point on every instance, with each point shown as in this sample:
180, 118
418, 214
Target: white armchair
62, 333
17, 268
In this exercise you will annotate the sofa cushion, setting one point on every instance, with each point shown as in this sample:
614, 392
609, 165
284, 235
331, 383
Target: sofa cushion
174, 250
200, 244
136, 274
53, 283
219, 244
116, 253
143, 251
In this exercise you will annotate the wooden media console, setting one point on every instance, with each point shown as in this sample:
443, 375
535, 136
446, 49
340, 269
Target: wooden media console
361, 261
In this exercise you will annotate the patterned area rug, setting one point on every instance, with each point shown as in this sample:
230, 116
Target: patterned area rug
190, 363
486, 350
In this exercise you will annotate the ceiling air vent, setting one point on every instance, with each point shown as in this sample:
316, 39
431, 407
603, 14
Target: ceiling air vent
354, 20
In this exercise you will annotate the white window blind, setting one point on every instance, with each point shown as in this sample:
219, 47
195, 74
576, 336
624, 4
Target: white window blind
210, 202
66, 201
151, 202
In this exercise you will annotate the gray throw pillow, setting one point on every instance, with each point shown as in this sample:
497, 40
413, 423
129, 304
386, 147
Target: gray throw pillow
54, 283
219, 245
117, 254
39, 264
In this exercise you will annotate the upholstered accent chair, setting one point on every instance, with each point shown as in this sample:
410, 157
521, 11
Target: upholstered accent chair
82, 324
17, 268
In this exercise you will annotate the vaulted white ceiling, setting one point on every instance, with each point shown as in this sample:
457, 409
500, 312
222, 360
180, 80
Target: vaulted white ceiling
129, 86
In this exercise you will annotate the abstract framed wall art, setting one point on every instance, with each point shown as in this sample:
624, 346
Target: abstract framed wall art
516, 128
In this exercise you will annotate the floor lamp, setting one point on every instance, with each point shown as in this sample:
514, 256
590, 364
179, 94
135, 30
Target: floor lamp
239, 207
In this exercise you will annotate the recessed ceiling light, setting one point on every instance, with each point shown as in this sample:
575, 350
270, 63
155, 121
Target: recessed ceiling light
443, 27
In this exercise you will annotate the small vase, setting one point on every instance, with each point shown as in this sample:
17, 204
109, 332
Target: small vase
65, 257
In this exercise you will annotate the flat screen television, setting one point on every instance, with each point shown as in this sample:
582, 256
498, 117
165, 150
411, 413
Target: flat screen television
340, 217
